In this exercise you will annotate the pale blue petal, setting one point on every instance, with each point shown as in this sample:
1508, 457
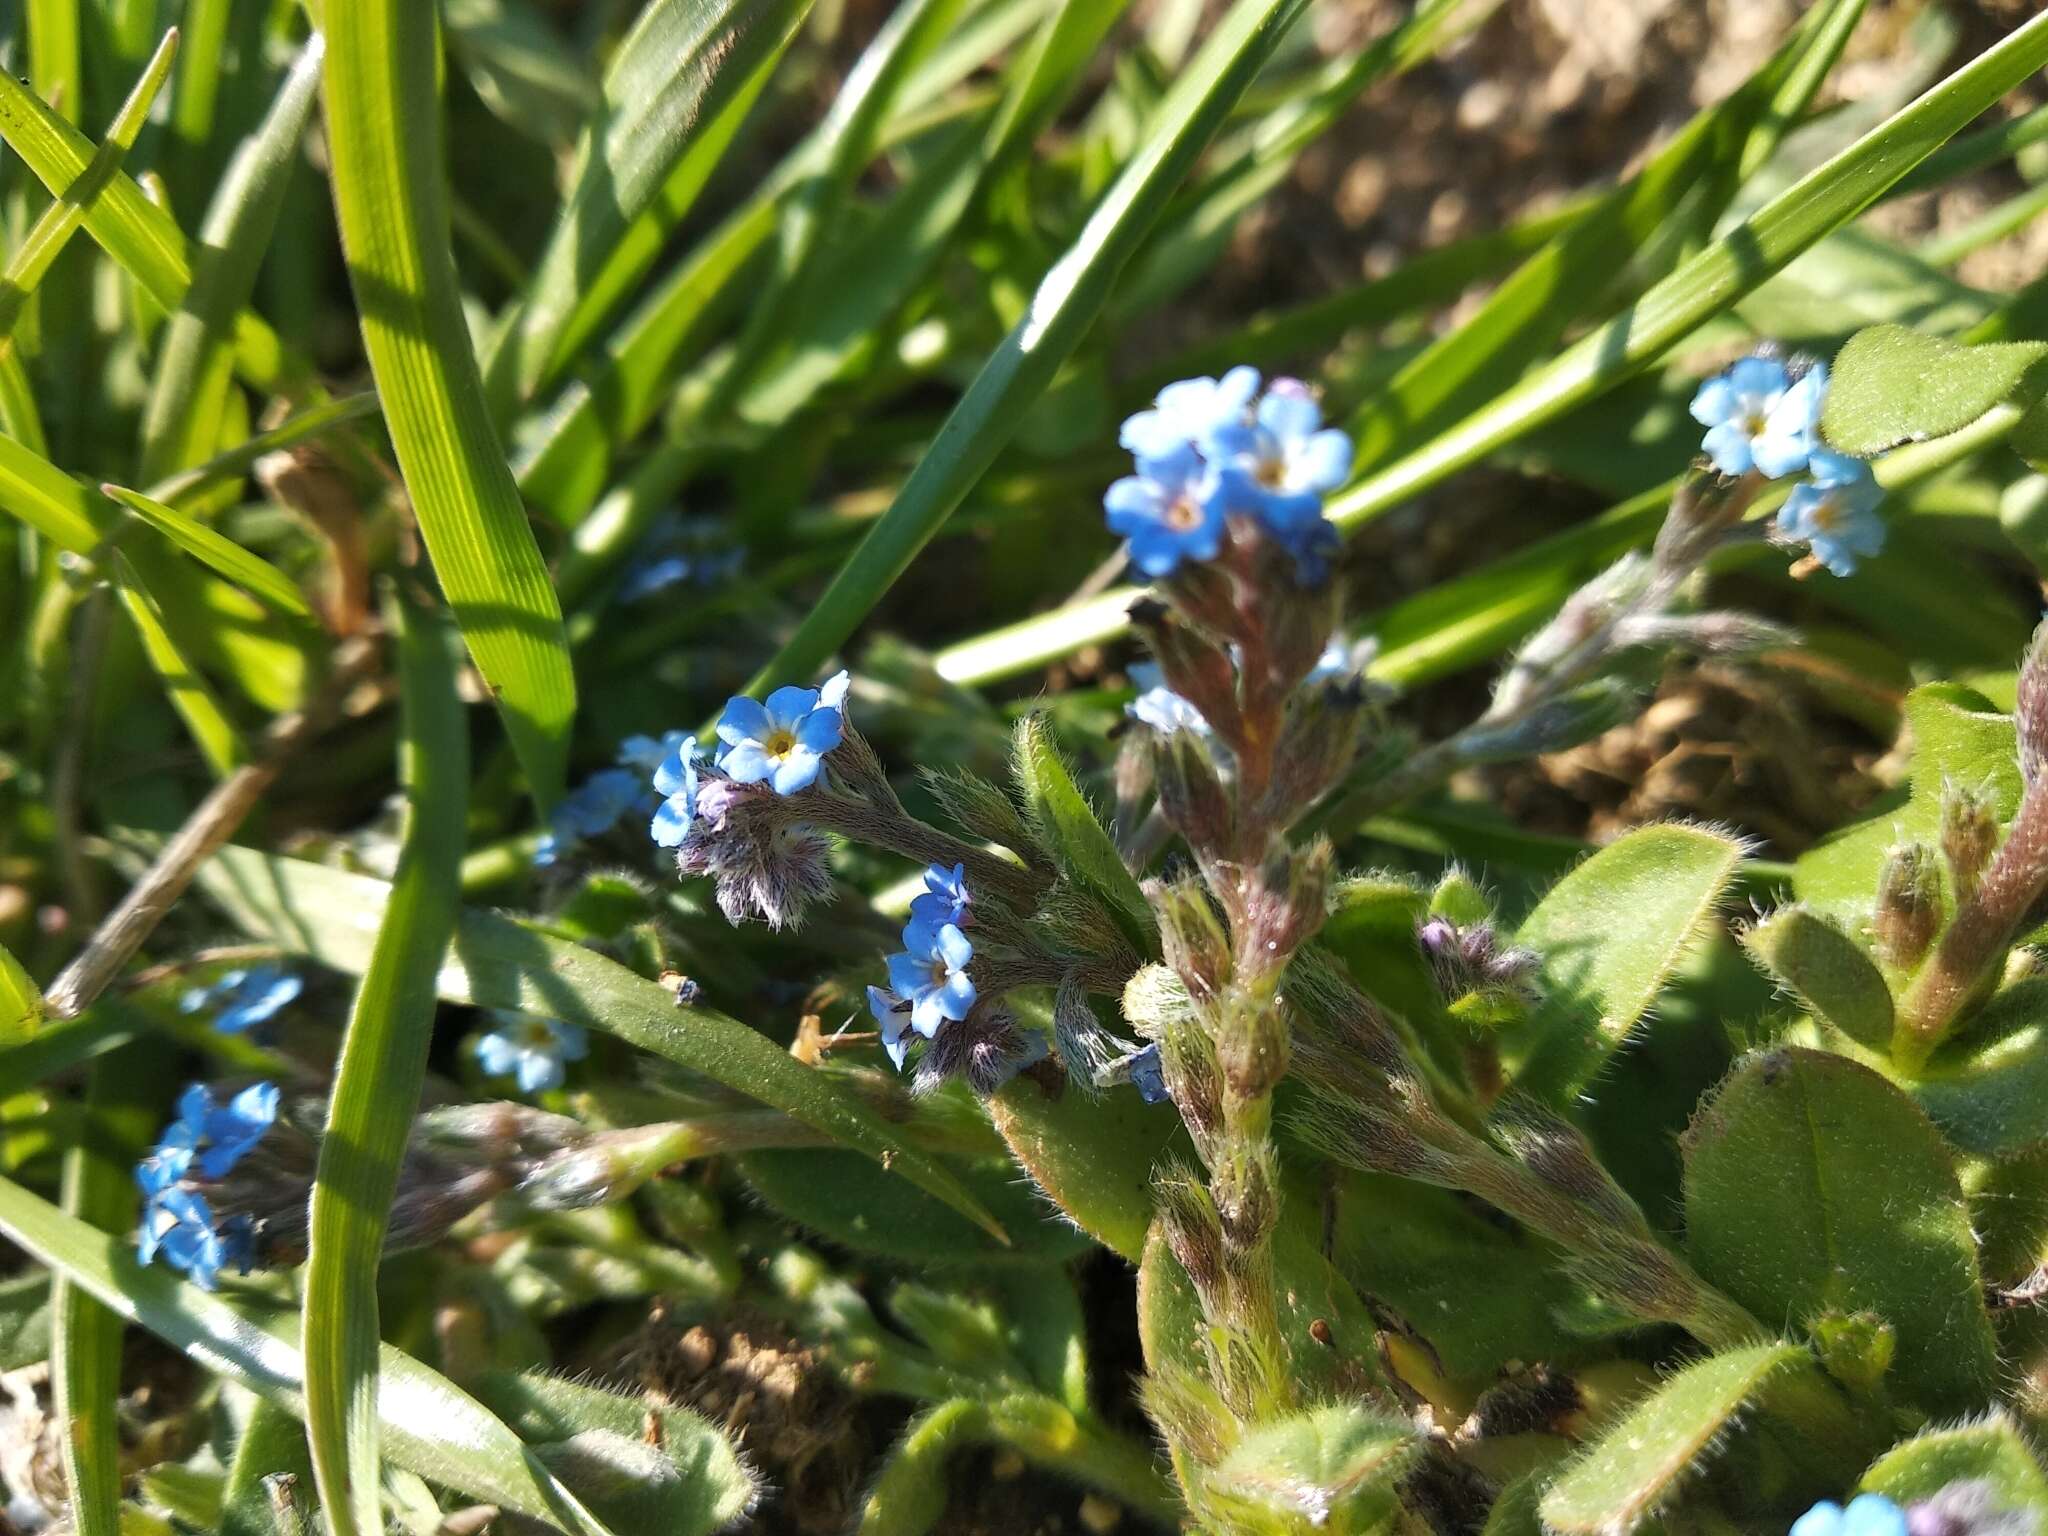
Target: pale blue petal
747, 762
671, 822
789, 704
1779, 454
832, 694
820, 731
538, 1071
954, 948
1291, 415
572, 1041
744, 720
797, 770
1728, 446
1324, 462
1715, 401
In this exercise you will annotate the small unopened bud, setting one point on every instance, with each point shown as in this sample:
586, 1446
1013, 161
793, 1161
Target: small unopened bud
1193, 1230
2030, 713
1471, 960
1253, 1047
1971, 1507
1969, 835
1285, 901
1318, 745
1191, 934
1246, 1186
1908, 904
1191, 797
1298, 629
1460, 898
1192, 665
984, 1050
1584, 614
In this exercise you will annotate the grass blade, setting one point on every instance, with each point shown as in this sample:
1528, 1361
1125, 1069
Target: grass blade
497, 962
137, 233
383, 129
57, 223
676, 92
190, 694
181, 423
377, 1084
248, 571
1066, 304
55, 59
431, 1426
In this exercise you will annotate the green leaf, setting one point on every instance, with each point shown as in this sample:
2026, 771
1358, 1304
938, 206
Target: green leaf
1610, 934
1067, 826
639, 1468
328, 915
855, 1203
1989, 1092
383, 134
1827, 970
24, 1320
181, 421
377, 1080
1065, 305
675, 94
254, 575
271, 1444
1626, 1475
908, 1496
1332, 1466
1890, 384
1092, 1158
1785, 1211
184, 685
1991, 1450
430, 1425
21, 1004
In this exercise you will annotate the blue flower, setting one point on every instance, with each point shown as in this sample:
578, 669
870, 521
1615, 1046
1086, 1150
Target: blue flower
931, 975
531, 1049
783, 741
1336, 662
648, 754
675, 780
229, 1130
590, 810
1279, 466
179, 1225
893, 1015
1148, 1077
1868, 1514
245, 998
946, 898
1757, 417
1186, 414
1835, 512
1169, 510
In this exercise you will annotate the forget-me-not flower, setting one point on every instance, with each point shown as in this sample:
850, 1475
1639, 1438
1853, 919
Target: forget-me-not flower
1758, 417
1868, 1514
1147, 1076
1186, 414
675, 780
1278, 466
205, 1140
179, 1226
222, 1134
1159, 706
931, 975
1834, 511
647, 753
784, 740
590, 810
1170, 511
530, 1049
893, 1015
245, 998
945, 898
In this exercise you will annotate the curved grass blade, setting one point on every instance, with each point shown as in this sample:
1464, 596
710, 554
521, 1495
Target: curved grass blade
257, 576
431, 1426
383, 130
1066, 304
675, 94
135, 231
301, 427
189, 692
57, 223
377, 1083
181, 422
1756, 249
328, 915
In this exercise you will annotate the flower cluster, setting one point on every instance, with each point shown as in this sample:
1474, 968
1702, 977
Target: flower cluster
205, 1142
244, 998
530, 1049
1763, 417
1215, 458
725, 818
928, 982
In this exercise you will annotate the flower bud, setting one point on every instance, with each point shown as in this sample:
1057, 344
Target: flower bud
1245, 1184
1969, 835
1193, 1230
1299, 625
1286, 900
1253, 1048
1192, 665
1970, 1507
1568, 721
1703, 634
1908, 904
984, 1050
1191, 934
1584, 614
2030, 712
1191, 797
1318, 745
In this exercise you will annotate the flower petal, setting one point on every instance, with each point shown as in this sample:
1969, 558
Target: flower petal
789, 704
797, 770
747, 762
743, 720
820, 731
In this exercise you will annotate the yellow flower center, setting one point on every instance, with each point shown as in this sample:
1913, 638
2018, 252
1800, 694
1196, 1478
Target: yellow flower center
779, 742
537, 1036
1182, 512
